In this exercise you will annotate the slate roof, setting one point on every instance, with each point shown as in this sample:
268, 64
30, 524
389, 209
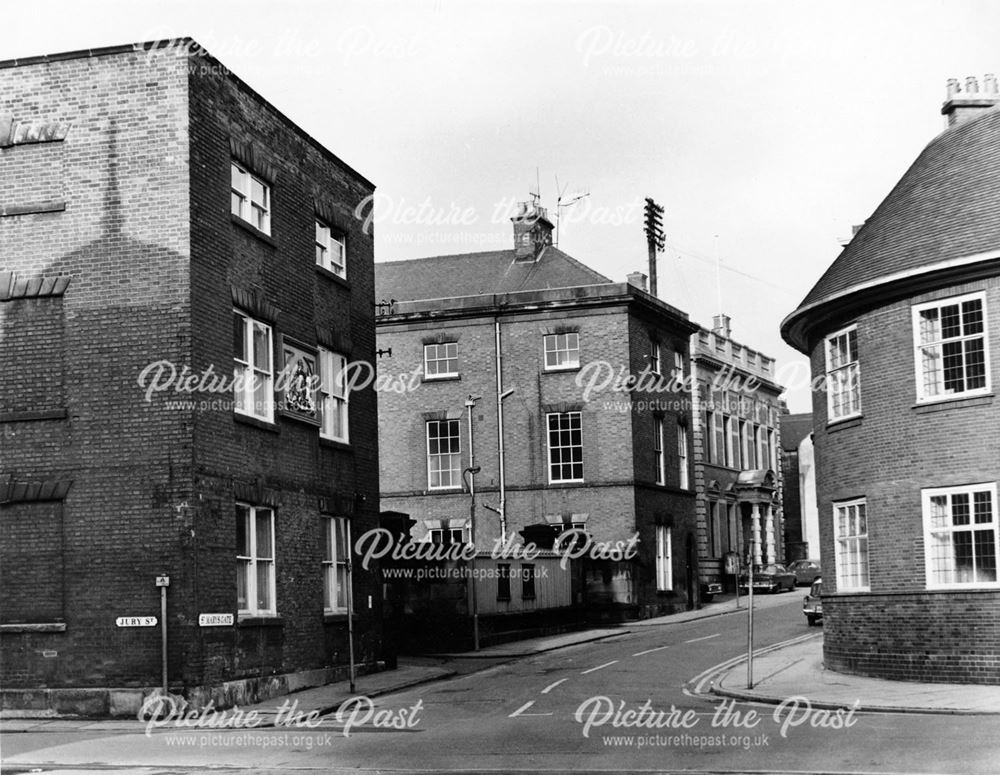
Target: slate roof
471, 274
944, 207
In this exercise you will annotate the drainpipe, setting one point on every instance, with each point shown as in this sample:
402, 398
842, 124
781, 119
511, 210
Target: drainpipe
501, 395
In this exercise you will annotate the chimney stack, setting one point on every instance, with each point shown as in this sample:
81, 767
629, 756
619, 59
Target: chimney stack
638, 279
532, 231
720, 325
962, 105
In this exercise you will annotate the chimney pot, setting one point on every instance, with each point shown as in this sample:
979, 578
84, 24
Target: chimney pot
961, 105
638, 279
720, 325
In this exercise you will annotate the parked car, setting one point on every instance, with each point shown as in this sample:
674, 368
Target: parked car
806, 571
812, 605
770, 578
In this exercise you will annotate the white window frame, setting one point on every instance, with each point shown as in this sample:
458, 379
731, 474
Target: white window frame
678, 371
655, 355
244, 203
561, 351
664, 559
923, 396
331, 243
682, 456
455, 535
433, 360
336, 556
247, 371
568, 416
436, 460
659, 459
931, 532
334, 397
849, 546
843, 379
249, 564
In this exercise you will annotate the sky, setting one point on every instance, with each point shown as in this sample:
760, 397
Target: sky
765, 129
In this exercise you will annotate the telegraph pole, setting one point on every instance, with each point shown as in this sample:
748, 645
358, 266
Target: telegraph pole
655, 238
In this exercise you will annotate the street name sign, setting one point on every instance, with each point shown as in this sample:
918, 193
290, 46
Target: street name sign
136, 621
215, 620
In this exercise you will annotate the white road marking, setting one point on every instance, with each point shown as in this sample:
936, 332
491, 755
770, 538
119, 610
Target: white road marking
520, 711
707, 637
552, 686
599, 667
650, 651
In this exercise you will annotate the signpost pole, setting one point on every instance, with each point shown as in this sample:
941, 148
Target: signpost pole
750, 616
163, 634
350, 608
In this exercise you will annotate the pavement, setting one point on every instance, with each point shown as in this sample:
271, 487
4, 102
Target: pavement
795, 669
790, 669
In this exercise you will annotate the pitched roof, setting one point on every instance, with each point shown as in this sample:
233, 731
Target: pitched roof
944, 207
471, 274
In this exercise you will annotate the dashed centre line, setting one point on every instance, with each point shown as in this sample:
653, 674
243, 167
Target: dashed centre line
707, 637
521, 711
552, 686
650, 651
600, 667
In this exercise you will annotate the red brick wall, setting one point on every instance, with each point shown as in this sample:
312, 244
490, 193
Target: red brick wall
896, 449
148, 243
122, 173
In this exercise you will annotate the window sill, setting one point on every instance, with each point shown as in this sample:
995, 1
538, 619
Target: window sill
336, 617
253, 230
952, 402
445, 378
343, 446
445, 490
560, 369
259, 620
567, 483
34, 627
844, 423
264, 425
322, 271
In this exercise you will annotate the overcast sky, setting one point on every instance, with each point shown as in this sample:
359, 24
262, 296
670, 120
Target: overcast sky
766, 129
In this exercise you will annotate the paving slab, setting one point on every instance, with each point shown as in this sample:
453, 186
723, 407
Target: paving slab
797, 670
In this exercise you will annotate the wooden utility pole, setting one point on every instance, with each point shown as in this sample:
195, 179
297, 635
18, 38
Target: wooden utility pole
655, 238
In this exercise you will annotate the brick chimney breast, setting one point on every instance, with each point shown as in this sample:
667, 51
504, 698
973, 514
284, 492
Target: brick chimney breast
532, 232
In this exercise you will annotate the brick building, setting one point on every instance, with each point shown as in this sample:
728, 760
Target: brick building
736, 442
533, 321
905, 326
157, 210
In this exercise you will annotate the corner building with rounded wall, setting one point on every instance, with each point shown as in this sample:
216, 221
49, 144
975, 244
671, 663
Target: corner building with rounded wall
903, 330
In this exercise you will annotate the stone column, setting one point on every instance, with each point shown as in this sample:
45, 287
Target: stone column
769, 548
755, 534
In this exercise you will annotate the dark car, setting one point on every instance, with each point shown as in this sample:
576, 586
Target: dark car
770, 578
812, 605
806, 571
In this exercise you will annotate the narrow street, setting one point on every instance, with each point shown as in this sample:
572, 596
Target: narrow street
556, 712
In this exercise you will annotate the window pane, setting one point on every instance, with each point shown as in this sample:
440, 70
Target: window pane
239, 337
264, 548
950, 324
328, 550
264, 574
236, 178
261, 346
242, 580
243, 531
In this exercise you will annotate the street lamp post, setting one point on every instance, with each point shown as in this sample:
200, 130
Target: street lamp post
470, 473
